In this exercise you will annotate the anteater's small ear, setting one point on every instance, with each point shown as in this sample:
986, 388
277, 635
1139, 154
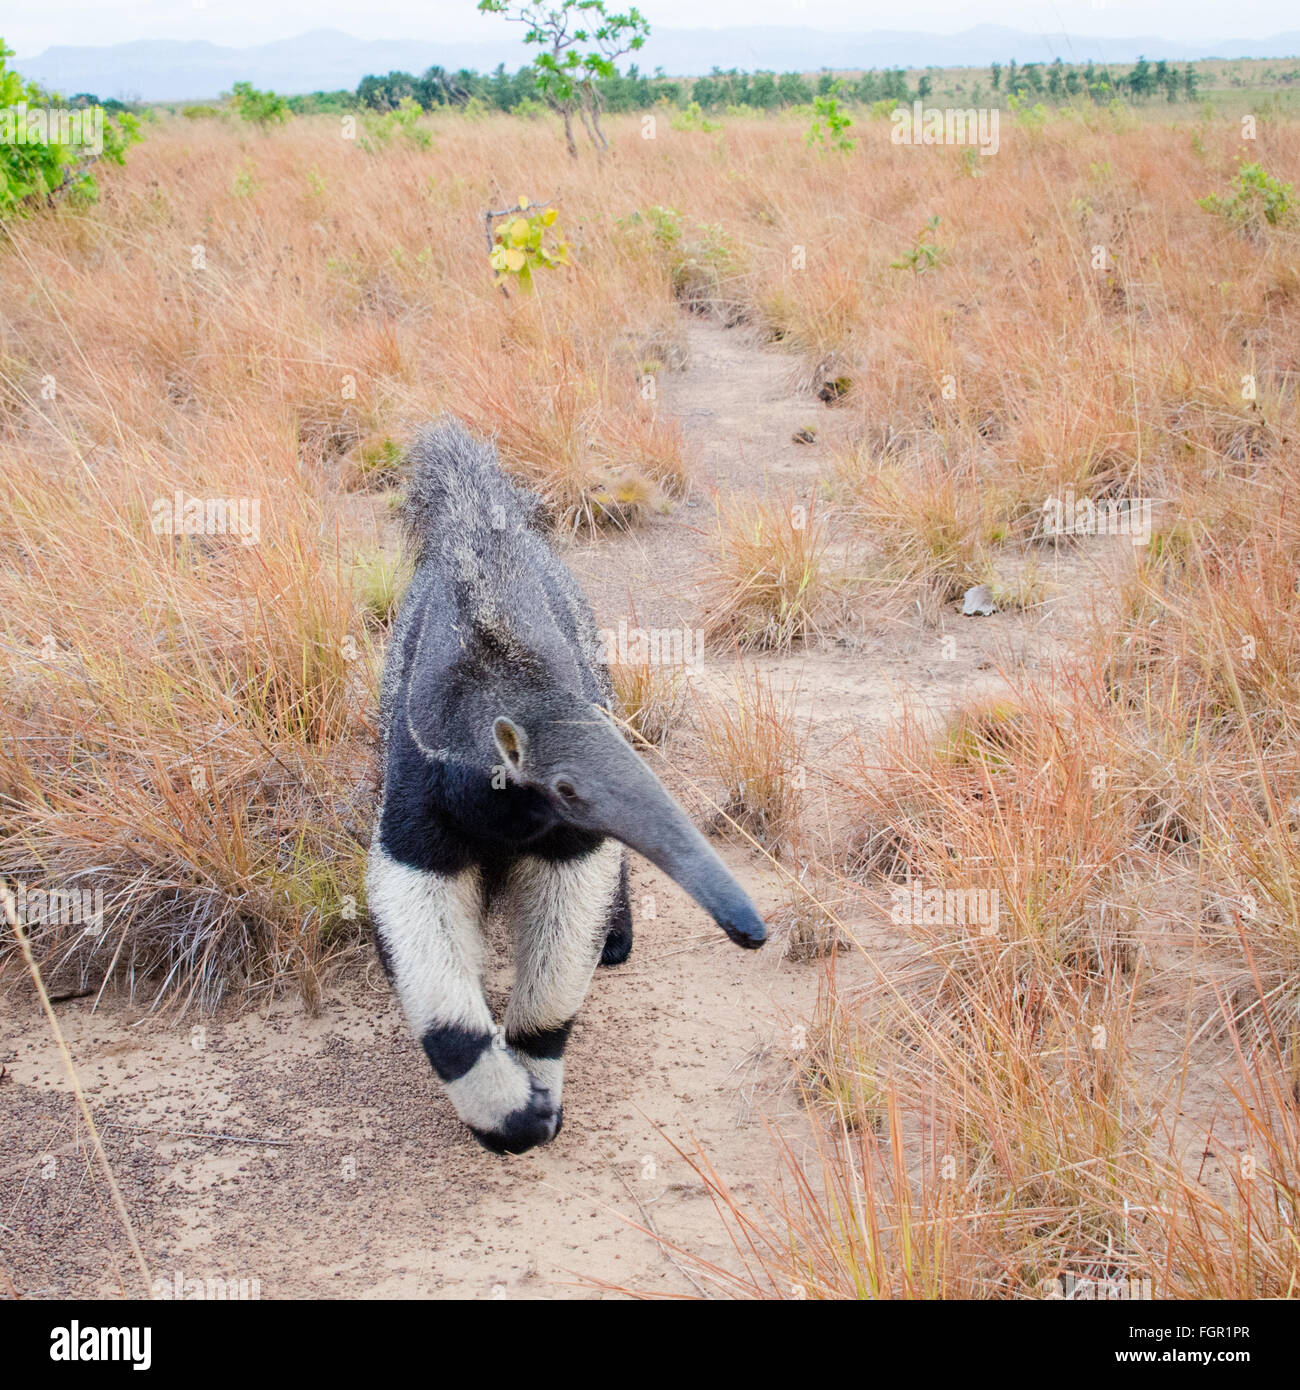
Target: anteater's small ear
511, 741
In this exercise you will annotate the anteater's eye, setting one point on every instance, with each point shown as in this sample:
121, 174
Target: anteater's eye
564, 788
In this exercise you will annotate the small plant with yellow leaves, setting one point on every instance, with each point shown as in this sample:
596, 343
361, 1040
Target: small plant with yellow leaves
622, 502
519, 243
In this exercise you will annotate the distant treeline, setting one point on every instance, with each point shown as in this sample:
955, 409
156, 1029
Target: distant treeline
767, 91
498, 90
1061, 81
634, 91
763, 91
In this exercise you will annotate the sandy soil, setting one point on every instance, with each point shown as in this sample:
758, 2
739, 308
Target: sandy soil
317, 1155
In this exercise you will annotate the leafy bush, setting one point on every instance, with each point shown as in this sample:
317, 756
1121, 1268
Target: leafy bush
1258, 197
693, 119
665, 224
263, 108
32, 168
830, 125
1031, 118
403, 120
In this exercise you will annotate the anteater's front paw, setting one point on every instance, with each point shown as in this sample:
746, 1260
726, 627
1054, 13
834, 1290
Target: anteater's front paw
536, 1122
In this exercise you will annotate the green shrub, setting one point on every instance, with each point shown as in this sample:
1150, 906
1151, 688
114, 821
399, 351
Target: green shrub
263, 108
830, 125
1258, 197
33, 166
693, 119
1031, 118
403, 120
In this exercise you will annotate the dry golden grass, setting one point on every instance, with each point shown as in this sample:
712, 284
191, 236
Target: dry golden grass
651, 698
754, 748
769, 587
267, 316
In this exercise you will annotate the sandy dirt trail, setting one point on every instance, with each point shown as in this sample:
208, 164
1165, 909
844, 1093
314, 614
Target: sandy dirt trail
317, 1156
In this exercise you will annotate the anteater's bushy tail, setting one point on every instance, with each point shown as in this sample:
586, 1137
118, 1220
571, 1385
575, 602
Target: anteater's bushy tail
456, 488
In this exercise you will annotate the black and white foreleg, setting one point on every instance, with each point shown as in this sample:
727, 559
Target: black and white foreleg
429, 927
560, 913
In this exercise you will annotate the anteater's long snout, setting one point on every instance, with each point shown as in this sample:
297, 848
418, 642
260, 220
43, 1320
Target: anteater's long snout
633, 806
670, 842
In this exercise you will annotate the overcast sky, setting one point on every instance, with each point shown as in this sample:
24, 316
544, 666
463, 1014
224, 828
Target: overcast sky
31, 28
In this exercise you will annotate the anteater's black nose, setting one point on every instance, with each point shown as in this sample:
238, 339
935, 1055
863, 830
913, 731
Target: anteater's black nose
746, 929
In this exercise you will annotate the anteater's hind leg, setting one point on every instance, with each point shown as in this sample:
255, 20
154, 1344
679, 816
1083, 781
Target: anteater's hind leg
429, 928
560, 915
618, 936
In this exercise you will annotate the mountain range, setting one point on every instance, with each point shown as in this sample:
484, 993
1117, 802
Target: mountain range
325, 59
